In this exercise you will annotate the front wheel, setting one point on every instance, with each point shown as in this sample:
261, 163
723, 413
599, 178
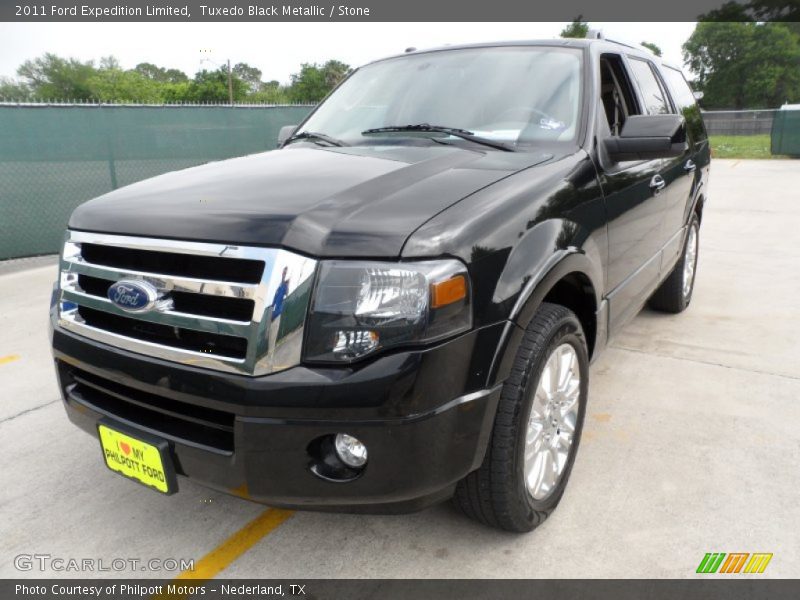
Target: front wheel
675, 292
537, 428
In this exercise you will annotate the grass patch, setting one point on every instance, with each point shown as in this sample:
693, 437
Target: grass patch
741, 146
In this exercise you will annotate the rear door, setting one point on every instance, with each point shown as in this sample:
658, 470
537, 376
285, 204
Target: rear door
690, 169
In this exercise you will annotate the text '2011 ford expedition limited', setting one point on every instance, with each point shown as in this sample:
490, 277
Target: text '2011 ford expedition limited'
399, 305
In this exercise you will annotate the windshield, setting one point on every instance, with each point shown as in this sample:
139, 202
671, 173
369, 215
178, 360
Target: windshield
518, 95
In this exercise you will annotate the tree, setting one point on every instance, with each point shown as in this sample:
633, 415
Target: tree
53, 77
784, 11
652, 47
576, 29
250, 75
271, 92
116, 85
335, 71
745, 64
13, 91
315, 81
110, 63
50, 76
151, 71
212, 86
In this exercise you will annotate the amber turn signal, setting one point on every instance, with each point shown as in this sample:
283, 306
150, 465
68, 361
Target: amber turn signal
449, 291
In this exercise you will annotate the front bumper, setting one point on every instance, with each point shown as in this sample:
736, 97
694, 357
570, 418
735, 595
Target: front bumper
425, 416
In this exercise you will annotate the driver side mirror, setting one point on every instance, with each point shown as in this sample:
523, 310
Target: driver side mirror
647, 137
285, 133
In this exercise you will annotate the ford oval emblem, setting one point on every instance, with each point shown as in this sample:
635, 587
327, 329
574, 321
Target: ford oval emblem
133, 295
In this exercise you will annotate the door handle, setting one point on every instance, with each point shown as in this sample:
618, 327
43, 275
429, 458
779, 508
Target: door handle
689, 166
657, 184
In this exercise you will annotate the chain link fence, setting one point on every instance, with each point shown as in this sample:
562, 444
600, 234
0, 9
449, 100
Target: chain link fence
738, 122
54, 157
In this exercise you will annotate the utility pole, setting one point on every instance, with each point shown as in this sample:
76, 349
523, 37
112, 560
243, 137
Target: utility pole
230, 83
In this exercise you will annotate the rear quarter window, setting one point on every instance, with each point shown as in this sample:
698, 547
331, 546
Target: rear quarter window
655, 98
681, 92
683, 97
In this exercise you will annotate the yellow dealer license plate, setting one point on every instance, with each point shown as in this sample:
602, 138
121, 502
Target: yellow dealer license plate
144, 461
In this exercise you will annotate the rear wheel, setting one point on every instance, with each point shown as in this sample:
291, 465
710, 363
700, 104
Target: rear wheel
675, 292
537, 428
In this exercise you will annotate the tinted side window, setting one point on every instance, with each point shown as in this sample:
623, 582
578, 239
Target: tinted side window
681, 92
655, 99
684, 98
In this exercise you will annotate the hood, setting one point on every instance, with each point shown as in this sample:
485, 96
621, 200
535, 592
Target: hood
325, 202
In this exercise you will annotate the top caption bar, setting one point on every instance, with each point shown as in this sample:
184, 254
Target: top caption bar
382, 10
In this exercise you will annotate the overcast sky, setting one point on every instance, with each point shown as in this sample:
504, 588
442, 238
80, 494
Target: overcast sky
278, 49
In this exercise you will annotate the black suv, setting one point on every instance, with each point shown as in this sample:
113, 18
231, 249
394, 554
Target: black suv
400, 304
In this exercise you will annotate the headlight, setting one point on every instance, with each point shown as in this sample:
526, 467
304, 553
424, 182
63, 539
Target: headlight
361, 307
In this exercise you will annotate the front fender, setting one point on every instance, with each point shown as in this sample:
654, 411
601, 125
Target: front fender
515, 232
548, 251
540, 280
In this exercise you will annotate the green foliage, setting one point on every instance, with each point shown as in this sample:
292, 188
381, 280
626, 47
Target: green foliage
11, 90
576, 29
250, 75
116, 85
315, 81
160, 74
652, 47
212, 86
745, 64
52, 77
270, 93
785, 11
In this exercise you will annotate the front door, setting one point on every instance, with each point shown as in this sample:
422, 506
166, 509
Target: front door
634, 201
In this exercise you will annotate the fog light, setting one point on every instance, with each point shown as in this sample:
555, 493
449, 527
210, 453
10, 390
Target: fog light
350, 450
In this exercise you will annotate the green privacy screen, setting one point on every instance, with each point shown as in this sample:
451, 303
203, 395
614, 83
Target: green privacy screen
52, 158
786, 132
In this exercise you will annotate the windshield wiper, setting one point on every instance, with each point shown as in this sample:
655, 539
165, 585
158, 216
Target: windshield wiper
314, 135
454, 131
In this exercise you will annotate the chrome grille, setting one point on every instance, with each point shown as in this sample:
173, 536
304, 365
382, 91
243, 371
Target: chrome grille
216, 304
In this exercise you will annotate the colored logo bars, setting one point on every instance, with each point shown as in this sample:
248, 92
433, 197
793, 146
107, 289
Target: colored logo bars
735, 562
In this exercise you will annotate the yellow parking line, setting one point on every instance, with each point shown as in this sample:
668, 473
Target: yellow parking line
240, 542
232, 548
7, 359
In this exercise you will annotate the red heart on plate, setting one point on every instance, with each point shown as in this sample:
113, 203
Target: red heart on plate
125, 448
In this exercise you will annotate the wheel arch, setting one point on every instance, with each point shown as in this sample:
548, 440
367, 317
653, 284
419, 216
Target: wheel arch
573, 282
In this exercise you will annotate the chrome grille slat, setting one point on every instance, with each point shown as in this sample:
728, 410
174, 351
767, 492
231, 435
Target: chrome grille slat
175, 319
159, 245
265, 344
179, 284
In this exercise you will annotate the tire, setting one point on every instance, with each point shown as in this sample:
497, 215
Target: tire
674, 295
497, 494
